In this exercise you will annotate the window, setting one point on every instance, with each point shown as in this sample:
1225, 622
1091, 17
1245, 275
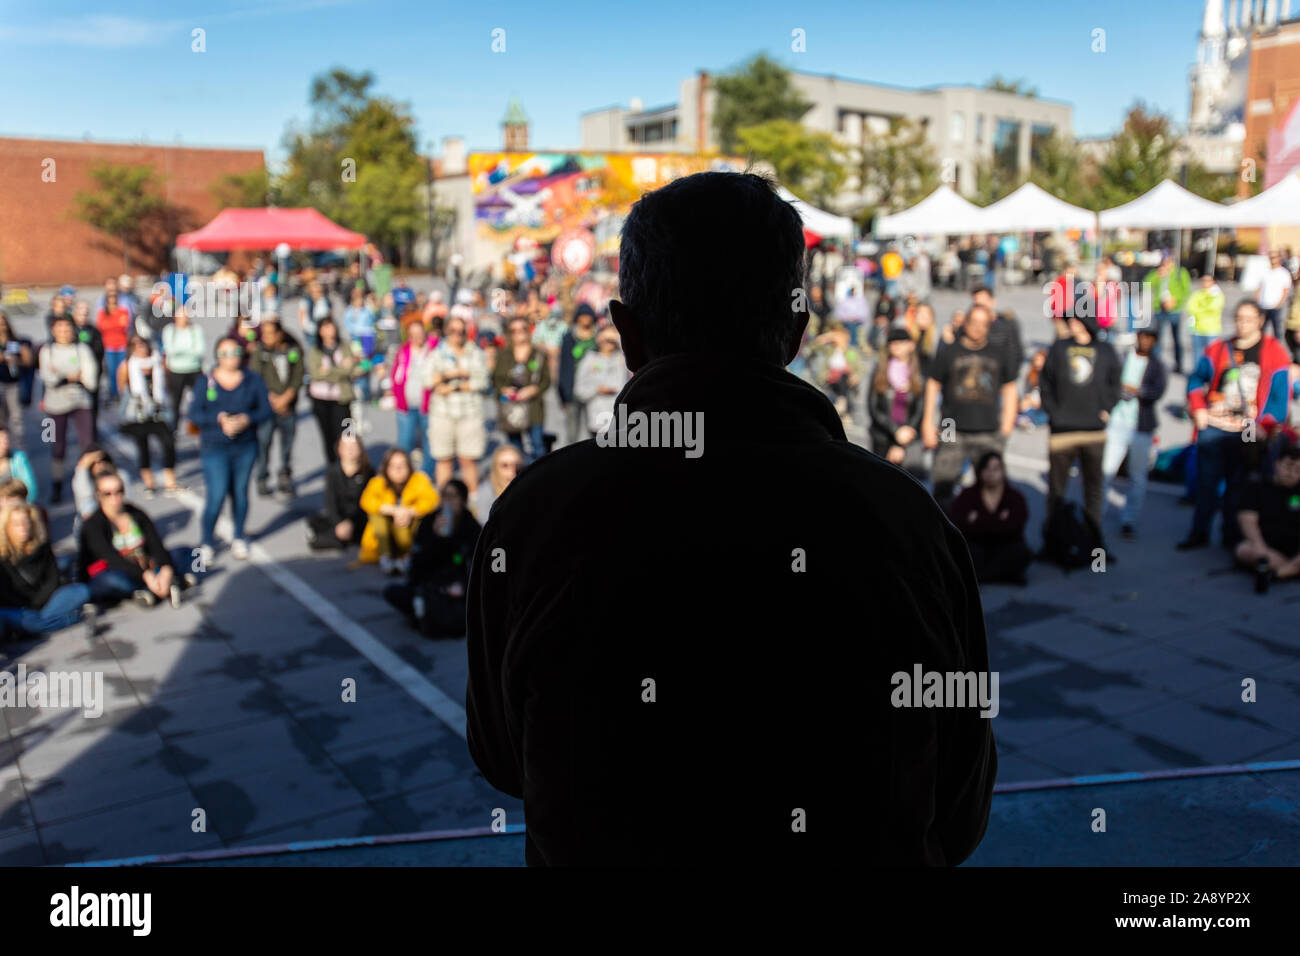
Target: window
979, 130
1038, 134
1006, 146
957, 127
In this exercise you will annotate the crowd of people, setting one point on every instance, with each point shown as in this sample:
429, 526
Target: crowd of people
939, 400
467, 386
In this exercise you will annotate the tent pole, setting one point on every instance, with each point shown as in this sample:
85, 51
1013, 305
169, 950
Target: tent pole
1214, 252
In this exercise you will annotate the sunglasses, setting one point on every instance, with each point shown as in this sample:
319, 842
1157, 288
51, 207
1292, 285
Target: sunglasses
230, 353
112, 494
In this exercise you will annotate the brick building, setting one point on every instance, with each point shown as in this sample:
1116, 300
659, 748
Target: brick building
41, 240
1273, 91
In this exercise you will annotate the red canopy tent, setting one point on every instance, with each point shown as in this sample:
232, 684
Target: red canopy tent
267, 228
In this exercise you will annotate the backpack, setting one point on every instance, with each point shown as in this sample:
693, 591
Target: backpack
1070, 537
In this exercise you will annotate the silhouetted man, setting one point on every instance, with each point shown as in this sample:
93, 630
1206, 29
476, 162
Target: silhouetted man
686, 636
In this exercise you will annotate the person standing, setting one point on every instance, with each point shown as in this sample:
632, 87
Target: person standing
1170, 286
332, 367
183, 351
1272, 293
520, 379
278, 359
1079, 385
17, 360
70, 375
114, 323
411, 393
600, 377
1131, 429
143, 382
228, 413
978, 382
895, 404
457, 376
1239, 383
1205, 306
314, 310
578, 341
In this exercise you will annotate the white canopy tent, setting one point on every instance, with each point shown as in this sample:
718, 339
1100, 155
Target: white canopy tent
818, 220
943, 212
1168, 206
1032, 209
1279, 205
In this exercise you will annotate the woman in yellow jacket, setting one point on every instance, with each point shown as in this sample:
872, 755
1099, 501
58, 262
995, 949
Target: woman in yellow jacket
395, 501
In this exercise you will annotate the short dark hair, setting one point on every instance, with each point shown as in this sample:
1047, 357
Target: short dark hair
984, 461
712, 262
1251, 303
978, 289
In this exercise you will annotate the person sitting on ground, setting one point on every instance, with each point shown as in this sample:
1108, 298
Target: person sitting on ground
35, 599
992, 515
434, 592
1270, 522
94, 461
14, 464
122, 555
395, 501
506, 462
343, 520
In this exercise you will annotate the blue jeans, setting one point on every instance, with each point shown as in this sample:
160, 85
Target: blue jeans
1173, 320
111, 362
1124, 440
1199, 344
63, 609
226, 472
532, 437
1274, 321
1219, 457
413, 429
286, 425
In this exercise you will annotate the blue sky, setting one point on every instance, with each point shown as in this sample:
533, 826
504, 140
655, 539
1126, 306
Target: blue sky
125, 71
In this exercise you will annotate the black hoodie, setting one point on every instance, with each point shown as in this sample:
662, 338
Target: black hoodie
1078, 383
669, 661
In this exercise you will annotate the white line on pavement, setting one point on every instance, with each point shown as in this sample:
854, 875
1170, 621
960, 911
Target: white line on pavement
366, 644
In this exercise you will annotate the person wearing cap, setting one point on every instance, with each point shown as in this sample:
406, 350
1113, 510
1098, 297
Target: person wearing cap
896, 402
278, 359
1079, 385
1131, 429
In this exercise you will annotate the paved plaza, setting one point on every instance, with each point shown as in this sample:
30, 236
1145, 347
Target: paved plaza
232, 704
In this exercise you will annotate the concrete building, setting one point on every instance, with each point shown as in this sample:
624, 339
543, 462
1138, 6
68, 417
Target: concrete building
965, 124
41, 240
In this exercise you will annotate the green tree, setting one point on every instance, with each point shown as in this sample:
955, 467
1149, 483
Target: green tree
810, 164
242, 190
1058, 167
758, 92
896, 168
357, 162
124, 206
1214, 186
1019, 87
994, 180
1137, 158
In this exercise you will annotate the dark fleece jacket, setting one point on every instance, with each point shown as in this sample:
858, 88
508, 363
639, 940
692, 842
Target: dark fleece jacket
669, 660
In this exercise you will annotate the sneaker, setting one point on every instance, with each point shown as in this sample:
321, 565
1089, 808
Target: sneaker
239, 549
173, 492
1263, 576
176, 595
206, 554
89, 612
190, 579
144, 598
1128, 532
285, 486
264, 487
417, 606
147, 494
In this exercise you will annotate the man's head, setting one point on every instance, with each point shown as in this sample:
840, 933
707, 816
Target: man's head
976, 324
1147, 338
1275, 259
1248, 319
1286, 470
983, 295
685, 288
1207, 281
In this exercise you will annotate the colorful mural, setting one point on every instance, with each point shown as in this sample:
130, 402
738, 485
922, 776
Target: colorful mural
538, 196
